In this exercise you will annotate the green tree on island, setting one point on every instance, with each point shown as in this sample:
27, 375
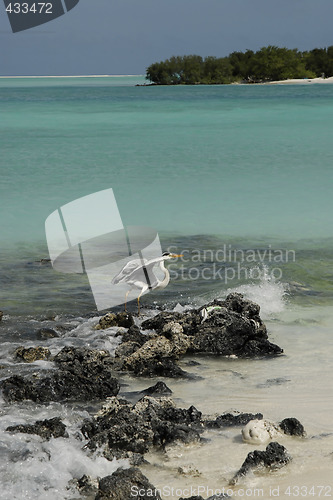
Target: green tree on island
267, 64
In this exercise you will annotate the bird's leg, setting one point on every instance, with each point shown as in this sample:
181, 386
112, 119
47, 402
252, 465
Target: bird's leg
126, 295
142, 291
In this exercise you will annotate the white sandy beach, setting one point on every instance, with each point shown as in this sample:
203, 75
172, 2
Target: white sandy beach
303, 81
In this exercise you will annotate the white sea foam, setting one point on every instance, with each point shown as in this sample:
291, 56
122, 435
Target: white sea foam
40, 469
82, 334
181, 309
269, 293
85, 334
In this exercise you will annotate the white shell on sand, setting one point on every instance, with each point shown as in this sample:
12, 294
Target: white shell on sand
259, 432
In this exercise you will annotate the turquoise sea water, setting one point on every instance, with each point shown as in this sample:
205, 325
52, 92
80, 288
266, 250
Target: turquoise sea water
228, 160
247, 166
236, 178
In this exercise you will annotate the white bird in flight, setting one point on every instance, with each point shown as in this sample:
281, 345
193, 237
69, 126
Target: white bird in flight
139, 274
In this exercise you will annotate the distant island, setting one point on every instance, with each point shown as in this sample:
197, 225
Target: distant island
266, 65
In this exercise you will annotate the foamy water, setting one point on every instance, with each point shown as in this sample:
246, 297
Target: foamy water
32, 468
269, 292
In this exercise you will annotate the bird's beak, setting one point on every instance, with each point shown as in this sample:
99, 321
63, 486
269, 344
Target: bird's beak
174, 255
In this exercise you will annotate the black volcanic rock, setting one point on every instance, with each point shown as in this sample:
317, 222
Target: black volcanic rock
274, 457
133, 334
126, 349
83, 375
46, 429
227, 327
17, 388
292, 427
156, 357
223, 327
125, 484
121, 319
46, 333
158, 322
31, 354
258, 348
137, 428
120, 428
196, 497
159, 388
156, 367
87, 486
233, 419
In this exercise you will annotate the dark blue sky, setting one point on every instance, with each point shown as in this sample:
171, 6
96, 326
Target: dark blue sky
125, 36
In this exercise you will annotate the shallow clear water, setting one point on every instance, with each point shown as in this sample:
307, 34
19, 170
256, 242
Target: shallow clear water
228, 160
236, 178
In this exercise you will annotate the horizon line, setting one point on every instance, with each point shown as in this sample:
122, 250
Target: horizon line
65, 76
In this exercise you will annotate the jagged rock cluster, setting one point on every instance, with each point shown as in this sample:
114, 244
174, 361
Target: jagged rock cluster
274, 457
31, 354
52, 427
125, 430
82, 375
130, 430
230, 327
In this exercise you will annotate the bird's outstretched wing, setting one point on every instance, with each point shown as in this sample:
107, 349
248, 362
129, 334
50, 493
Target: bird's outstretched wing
128, 269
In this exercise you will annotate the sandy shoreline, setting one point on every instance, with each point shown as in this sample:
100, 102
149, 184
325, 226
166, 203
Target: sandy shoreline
302, 81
